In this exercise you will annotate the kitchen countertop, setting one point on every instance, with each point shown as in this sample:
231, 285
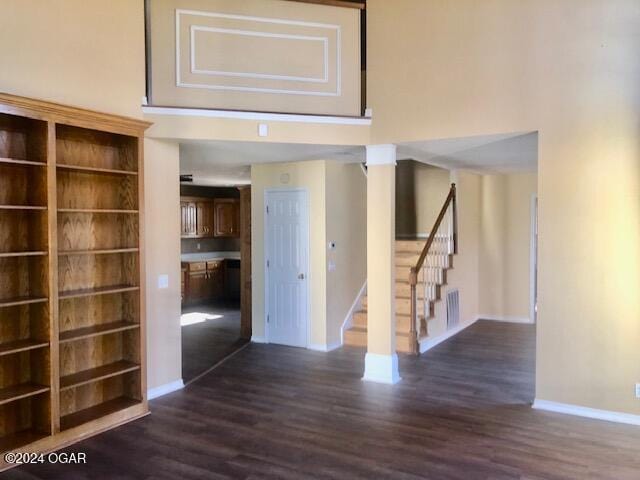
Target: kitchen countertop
204, 256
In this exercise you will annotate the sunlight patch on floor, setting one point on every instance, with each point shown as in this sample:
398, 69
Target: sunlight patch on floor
197, 317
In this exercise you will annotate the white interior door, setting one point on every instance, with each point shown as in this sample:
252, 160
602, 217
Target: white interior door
287, 249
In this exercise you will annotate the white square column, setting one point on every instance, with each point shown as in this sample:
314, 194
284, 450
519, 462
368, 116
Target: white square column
381, 362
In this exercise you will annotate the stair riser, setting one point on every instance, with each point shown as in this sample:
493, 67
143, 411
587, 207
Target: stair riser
432, 275
402, 321
417, 246
359, 339
403, 305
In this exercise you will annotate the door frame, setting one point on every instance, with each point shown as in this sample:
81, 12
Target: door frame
533, 261
306, 240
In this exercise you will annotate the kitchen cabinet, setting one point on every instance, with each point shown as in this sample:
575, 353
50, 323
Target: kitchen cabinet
226, 217
188, 214
208, 218
204, 281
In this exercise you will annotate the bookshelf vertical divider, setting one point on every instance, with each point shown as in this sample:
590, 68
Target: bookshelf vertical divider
72, 276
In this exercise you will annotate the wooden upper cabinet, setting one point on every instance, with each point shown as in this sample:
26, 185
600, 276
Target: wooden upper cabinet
204, 216
226, 217
188, 219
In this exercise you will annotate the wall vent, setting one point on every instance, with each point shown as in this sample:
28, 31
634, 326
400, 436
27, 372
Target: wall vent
453, 308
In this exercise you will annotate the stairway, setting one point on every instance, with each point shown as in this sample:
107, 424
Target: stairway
430, 281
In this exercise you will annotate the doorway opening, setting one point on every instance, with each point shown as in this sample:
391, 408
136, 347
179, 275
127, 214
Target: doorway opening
215, 255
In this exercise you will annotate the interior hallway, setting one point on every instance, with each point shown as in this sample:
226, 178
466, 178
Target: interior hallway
462, 411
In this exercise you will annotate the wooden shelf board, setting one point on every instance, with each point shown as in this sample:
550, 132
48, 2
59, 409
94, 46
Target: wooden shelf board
17, 161
107, 171
98, 252
95, 210
89, 292
96, 330
16, 440
21, 346
98, 411
23, 254
97, 374
12, 302
17, 392
22, 207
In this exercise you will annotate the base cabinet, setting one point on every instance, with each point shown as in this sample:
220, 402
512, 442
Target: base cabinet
204, 281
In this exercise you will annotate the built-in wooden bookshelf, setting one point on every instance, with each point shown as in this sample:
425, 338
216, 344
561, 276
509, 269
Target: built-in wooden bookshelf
72, 359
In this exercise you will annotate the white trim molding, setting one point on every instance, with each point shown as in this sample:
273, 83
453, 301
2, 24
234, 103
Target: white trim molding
265, 20
165, 389
258, 339
259, 116
381, 368
384, 154
505, 318
322, 347
348, 319
579, 411
428, 343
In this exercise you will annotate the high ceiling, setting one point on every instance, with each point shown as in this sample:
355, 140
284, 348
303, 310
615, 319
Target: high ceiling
219, 163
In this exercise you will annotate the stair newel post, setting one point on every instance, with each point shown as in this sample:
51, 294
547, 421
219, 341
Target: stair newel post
413, 281
454, 206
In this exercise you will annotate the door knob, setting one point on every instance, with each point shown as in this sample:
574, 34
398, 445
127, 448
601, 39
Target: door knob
301, 276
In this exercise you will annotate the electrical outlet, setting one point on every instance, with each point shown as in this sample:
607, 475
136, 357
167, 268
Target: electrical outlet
163, 281
198, 246
637, 390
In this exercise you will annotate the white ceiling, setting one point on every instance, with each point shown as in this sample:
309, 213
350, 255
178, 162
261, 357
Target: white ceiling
219, 163
504, 153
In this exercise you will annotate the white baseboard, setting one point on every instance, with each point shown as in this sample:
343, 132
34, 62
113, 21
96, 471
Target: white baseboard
577, 410
348, 320
257, 339
381, 368
507, 319
321, 347
429, 343
164, 389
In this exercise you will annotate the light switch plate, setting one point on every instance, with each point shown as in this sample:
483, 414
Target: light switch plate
332, 266
163, 281
263, 130
637, 390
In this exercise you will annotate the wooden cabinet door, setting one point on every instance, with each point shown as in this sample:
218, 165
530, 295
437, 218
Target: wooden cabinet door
205, 218
197, 287
226, 217
188, 219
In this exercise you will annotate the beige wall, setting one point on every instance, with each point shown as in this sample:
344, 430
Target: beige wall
91, 55
310, 176
84, 53
505, 246
337, 212
571, 71
420, 193
346, 217
308, 61
162, 235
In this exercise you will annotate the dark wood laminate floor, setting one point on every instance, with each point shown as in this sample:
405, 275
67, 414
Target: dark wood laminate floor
462, 411
207, 342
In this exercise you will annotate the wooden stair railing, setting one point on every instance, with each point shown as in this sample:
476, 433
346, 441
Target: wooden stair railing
413, 276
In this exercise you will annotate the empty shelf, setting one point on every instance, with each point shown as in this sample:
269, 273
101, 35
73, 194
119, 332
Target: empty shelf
95, 412
95, 330
24, 390
21, 346
96, 210
16, 440
22, 207
107, 171
16, 161
98, 252
23, 254
11, 302
88, 292
97, 374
